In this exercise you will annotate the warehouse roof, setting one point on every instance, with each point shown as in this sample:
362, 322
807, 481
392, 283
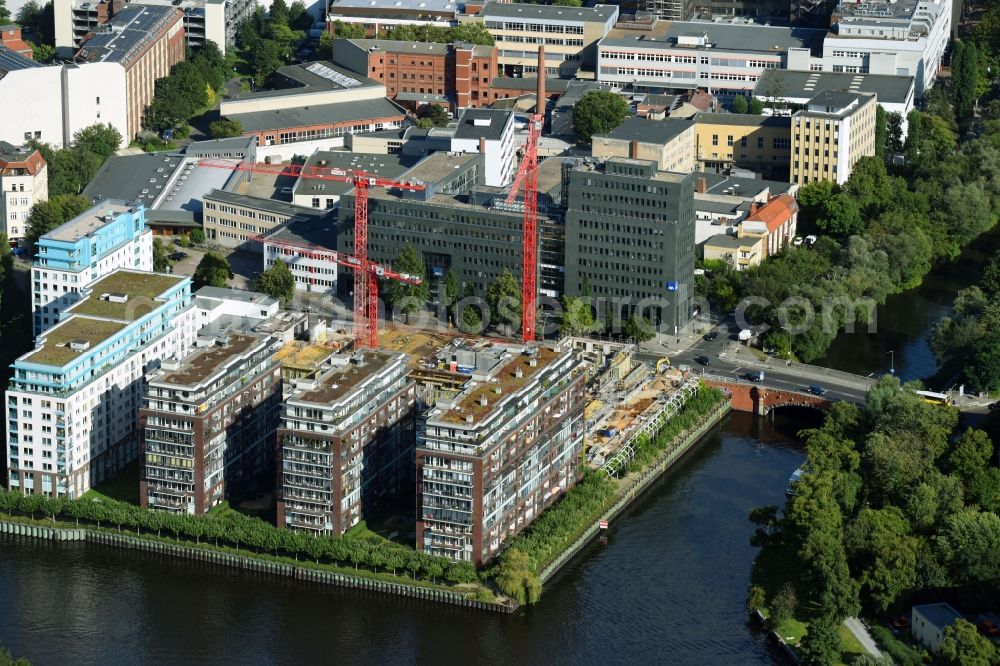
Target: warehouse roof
387, 166
316, 76
804, 85
648, 131
323, 114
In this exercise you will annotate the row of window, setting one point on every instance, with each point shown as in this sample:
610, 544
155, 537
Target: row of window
558, 28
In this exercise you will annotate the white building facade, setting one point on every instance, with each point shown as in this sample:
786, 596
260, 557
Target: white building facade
24, 181
491, 133
109, 236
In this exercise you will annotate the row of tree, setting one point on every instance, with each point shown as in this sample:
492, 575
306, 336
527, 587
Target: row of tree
239, 531
896, 504
268, 40
882, 232
192, 86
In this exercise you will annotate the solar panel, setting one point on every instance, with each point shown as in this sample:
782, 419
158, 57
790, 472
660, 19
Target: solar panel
319, 69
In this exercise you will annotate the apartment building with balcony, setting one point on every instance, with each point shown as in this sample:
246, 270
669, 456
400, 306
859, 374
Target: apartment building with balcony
73, 400
109, 236
208, 422
830, 135
346, 441
24, 181
493, 457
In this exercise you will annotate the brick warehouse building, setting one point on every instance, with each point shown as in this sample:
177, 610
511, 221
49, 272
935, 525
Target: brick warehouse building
457, 75
146, 42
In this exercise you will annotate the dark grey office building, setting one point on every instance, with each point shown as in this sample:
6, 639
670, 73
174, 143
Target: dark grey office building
630, 237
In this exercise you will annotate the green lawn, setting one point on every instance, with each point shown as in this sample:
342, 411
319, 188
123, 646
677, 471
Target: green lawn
124, 487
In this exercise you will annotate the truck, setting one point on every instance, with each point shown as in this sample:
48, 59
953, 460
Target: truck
745, 335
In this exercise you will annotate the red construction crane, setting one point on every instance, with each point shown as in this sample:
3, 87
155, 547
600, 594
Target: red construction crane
365, 279
527, 174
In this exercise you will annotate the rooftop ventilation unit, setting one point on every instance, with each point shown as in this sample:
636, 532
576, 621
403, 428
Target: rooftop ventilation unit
79, 345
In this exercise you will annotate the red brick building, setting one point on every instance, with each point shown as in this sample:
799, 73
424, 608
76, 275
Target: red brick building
10, 37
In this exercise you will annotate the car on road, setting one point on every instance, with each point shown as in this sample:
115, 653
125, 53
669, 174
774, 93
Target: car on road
704, 360
757, 376
711, 335
815, 389
177, 256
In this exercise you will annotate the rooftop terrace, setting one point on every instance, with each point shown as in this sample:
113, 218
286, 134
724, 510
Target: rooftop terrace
203, 364
129, 294
88, 221
83, 332
341, 380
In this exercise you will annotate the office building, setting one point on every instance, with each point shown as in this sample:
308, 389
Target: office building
569, 35
24, 181
758, 143
73, 400
455, 76
346, 441
146, 42
489, 132
830, 135
379, 16
669, 143
53, 102
630, 232
322, 194
208, 422
234, 220
109, 236
497, 454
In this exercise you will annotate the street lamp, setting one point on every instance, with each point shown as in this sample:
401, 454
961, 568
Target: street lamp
892, 361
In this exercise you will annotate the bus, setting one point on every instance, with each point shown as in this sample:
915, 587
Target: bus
934, 398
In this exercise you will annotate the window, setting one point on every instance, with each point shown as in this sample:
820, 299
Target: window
729, 140
715, 139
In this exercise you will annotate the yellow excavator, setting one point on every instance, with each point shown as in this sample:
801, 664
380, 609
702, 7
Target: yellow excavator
662, 364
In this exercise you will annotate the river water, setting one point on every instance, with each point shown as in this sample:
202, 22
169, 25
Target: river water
668, 586
905, 321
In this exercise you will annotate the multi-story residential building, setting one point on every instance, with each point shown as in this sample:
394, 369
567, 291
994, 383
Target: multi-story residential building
312, 106
830, 135
414, 73
894, 38
208, 422
233, 220
346, 441
204, 20
146, 41
489, 132
379, 16
492, 458
109, 236
73, 401
24, 181
775, 221
55, 101
762, 144
669, 142
740, 252
569, 35
630, 233
727, 59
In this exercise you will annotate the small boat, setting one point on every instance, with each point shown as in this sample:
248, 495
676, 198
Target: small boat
793, 479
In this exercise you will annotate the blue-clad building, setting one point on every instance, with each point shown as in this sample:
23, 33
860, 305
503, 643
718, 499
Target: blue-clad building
109, 236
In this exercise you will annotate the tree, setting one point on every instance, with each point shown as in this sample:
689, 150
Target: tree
882, 549
299, 17
756, 599
841, 216
962, 645
740, 104
213, 270
598, 112
4, 12
503, 297
264, 59
577, 316
880, 132
224, 128
471, 322
28, 15
821, 645
812, 200
638, 328
783, 606
913, 137
408, 298
101, 140
346, 30
279, 12
47, 215
893, 133
964, 81
756, 106
449, 292
197, 236
161, 259
434, 114
517, 577
472, 33
990, 282
277, 282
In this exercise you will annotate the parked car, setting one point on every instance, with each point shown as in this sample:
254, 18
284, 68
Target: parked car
815, 389
286, 190
711, 335
757, 376
177, 256
704, 360
167, 134
810, 239
797, 241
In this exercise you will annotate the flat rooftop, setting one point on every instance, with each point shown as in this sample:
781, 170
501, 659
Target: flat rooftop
599, 13
298, 354
230, 294
166, 180
804, 85
469, 401
941, 615
141, 289
318, 234
743, 120
320, 114
439, 165
315, 76
425, 5
124, 38
482, 124
390, 166
736, 37
205, 363
341, 380
261, 203
658, 132
89, 221
55, 350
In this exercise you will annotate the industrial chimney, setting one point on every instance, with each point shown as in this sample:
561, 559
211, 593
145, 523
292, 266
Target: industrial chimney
540, 91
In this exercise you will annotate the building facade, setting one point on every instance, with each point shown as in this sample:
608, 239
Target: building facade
776, 221
146, 41
453, 75
630, 233
830, 135
668, 142
73, 401
489, 132
111, 235
208, 423
762, 144
379, 16
491, 459
233, 220
346, 441
24, 181
10, 38
569, 35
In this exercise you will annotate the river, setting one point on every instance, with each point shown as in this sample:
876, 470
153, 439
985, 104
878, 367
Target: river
668, 584
906, 320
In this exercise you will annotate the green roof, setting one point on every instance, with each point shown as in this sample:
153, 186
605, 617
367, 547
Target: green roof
140, 288
56, 351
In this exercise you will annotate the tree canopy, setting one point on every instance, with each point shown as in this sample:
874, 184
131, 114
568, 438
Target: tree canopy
597, 112
409, 298
503, 297
47, 215
225, 128
277, 282
213, 270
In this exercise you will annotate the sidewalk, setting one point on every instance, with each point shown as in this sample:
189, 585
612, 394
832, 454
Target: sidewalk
854, 625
